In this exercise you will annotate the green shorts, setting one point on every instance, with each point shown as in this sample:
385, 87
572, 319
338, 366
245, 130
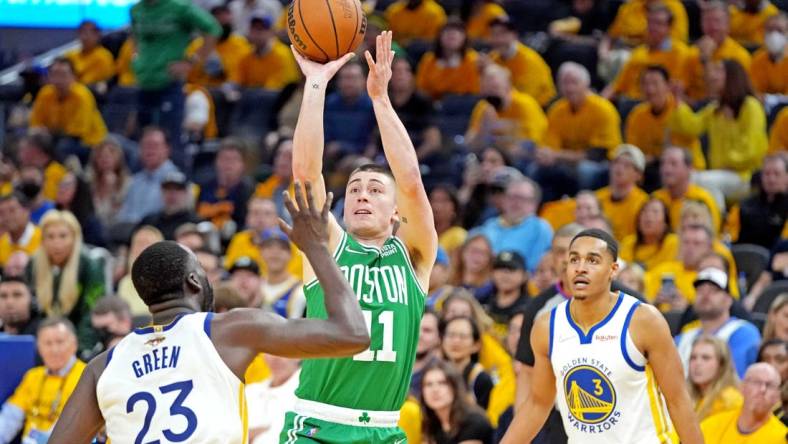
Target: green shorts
300, 429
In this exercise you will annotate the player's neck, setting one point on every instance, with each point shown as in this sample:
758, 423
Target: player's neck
166, 312
372, 241
591, 310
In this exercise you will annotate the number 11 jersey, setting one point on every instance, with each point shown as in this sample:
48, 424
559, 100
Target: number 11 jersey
169, 384
392, 302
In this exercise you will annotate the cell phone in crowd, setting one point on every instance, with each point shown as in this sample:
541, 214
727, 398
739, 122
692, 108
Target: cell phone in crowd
668, 285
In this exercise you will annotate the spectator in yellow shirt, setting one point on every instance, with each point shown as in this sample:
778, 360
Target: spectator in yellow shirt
778, 139
20, 234
452, 68
711, 378
530, 73
479, 15
223, 63
270, 65
675, 172
35, 149
582, 128
769, 69
68, 109
123, 63
622, 199
753, 422
504, 117
630, 22
736, 128
93, 63
658, 48
415, 20
653, 243
747, 20
39, 399
714, 46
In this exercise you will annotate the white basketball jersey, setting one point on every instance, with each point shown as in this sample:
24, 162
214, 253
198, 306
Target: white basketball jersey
605, 390
168, 384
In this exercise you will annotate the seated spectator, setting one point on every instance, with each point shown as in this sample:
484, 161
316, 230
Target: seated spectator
653, 242
31, 181
446, 209
659, 48
675, 171
268, 401
632, 275
478, 16
449, 417
74, 196
20, 234
762, 219
696, 213
39, 399
587, 208
66, 280
67, 109
582, 128
92, 62
241, 10
769, 69
223, 198
283, 292
212, 265
349, 117
227, 298
777, 320
261, 216
622, 199
473, 268
245, 277
109, 180
144, 194
190, 236
711, 378
111, 318
505, 117
582, 24
460, 342
778, 139
714, 46
775, 352
753, 421
142, 238
223, 62
18, 313
178, 208
630, 24
484, 179
509, 292
270, 64
529, 72
416, 112
736, 129
748, 18
451, 67
518, 228
712, 304
428, 349
280, 178
412, 20
36, 150
545, 275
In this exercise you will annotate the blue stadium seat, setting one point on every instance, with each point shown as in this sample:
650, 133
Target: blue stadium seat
252, 113
120, 102
19, 353
454, 111
534, 15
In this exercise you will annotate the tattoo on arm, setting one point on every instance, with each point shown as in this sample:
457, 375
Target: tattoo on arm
315, 86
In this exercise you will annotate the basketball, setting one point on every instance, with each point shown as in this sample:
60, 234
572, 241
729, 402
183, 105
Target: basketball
325, 30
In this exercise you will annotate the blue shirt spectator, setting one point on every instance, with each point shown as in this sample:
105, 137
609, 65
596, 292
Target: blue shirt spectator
349, 118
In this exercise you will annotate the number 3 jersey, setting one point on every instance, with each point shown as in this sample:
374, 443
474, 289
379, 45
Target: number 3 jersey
605, 390
392, 302
169, 384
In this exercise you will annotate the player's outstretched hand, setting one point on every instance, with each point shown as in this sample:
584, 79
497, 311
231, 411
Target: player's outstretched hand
310, 224
320, 71
380, 69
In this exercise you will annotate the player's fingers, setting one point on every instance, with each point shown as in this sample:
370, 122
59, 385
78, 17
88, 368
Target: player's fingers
310, 199
299, 196
379, 47
289, 205
327, 206
288, 230
370, 61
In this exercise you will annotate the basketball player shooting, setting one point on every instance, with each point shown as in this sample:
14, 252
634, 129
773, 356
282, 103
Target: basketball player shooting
608, 358
357, 400
181, 380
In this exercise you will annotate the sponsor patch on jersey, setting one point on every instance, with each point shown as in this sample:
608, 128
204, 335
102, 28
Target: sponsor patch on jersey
591, 399
155, 341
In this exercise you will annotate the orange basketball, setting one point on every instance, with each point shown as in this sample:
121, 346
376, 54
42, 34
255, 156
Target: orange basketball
324, 30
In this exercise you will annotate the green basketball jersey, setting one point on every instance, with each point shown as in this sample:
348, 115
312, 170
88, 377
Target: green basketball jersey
392, 302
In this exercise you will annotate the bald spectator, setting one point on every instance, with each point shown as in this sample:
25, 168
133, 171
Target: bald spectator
753, 421
17, 307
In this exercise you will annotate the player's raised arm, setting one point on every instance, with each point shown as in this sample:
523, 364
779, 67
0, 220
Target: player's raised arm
532, 414
343, 333
651, 334
81, 418
417, 228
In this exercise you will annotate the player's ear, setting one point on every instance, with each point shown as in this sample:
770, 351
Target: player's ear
614, 270
191, 284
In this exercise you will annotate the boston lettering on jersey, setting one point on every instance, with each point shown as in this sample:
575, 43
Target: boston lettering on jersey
371, 283
157, 359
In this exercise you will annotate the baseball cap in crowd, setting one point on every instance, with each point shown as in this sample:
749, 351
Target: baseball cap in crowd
714, 276
510, 260
633, 153
274, 235
244, 263
175, 178
442, 258
261, 20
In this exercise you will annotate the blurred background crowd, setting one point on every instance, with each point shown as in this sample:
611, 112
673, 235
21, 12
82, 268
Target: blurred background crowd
662, 122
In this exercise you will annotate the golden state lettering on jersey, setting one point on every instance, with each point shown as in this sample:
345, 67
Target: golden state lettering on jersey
157, 359
590, 395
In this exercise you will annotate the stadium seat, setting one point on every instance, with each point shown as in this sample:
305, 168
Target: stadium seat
454, 112
120, 102
750, 259
251, 114
768, 296
19, 353
534, 15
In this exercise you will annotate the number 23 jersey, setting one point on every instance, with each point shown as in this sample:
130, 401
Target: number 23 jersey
169, 384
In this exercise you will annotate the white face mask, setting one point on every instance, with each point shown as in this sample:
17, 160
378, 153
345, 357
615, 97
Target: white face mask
775, 42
